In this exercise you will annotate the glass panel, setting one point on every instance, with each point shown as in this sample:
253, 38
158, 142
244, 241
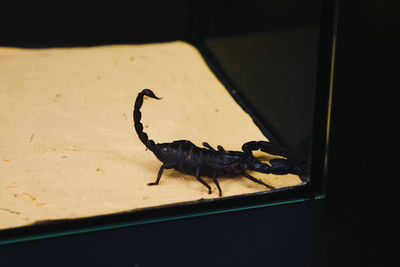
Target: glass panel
72, 159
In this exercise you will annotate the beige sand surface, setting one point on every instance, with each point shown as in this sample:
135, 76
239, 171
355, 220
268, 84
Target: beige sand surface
67, 143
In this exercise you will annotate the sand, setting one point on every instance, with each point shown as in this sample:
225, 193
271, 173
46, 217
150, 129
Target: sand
68, 148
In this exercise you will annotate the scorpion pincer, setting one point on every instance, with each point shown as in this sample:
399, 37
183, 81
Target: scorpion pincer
188, 158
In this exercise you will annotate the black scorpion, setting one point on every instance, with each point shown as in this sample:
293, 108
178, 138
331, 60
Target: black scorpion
186, 157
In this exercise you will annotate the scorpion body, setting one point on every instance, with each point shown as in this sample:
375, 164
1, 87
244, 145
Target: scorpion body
188, 158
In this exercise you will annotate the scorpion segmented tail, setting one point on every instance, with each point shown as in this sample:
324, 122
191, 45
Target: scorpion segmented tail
137, 115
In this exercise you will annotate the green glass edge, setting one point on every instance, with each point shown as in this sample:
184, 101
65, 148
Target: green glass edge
161, 219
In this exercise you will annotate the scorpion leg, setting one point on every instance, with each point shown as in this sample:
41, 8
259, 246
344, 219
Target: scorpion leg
201, 180
248, 176
221, 149
207, 145
169, 165
216, 183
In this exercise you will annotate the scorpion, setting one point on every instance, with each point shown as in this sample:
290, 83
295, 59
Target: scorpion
188, 158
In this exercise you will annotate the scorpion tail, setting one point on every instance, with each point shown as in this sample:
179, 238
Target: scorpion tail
137, 115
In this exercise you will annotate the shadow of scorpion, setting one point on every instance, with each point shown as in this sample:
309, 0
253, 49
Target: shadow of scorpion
188, 158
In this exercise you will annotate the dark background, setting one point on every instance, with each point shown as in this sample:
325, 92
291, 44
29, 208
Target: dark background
354, 226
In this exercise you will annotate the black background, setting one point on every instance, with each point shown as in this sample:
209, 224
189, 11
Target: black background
356, 225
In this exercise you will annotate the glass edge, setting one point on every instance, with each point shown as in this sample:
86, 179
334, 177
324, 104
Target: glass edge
330, 95
155, 220
324, 97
